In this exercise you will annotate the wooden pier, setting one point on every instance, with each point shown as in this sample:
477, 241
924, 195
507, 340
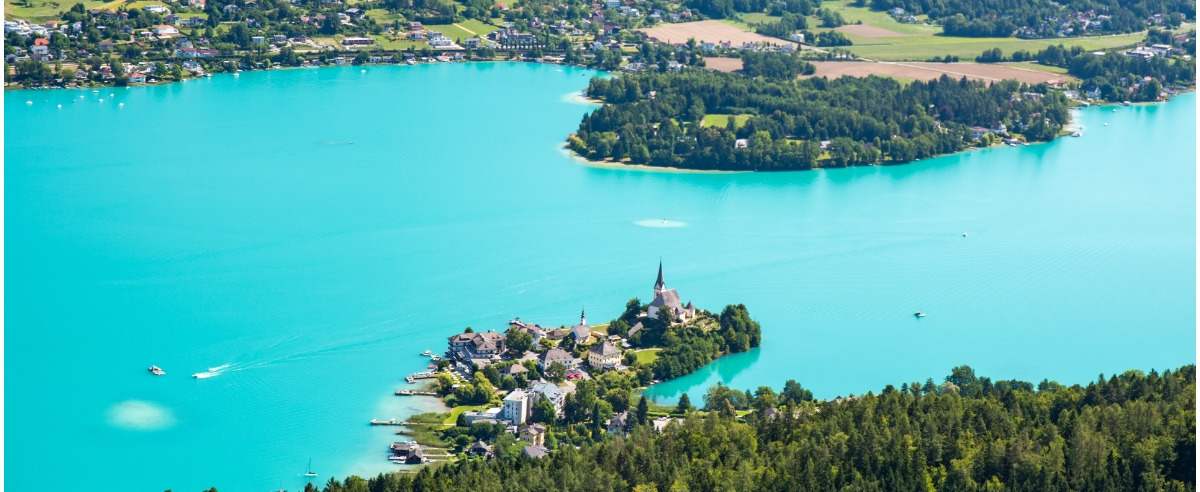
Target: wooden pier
407, 392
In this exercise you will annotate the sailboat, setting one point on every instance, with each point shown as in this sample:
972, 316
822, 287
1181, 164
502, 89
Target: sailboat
310, 472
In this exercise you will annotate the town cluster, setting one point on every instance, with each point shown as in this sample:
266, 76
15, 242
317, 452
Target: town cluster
562, 356
174, 39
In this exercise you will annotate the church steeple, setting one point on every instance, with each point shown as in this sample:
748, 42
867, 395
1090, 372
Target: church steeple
582, 317
659, 284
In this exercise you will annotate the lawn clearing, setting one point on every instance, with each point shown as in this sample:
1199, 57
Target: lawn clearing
647, 356
452, 416
478, 27
398, 43
722, 120
383, 16
455, 32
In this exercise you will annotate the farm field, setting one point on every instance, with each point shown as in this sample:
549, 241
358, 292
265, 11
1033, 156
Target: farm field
926, 47
722, 63
930, 71
880, 37
711, 31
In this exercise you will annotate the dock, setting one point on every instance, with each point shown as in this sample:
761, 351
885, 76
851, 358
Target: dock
412, 378
403, 423
408, 392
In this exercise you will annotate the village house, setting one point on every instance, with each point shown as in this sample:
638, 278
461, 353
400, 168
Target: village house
551, 392
481, 449
560, 356
604, 356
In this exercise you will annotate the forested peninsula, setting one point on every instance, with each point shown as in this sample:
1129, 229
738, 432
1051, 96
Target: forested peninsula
1135, 431
698, 119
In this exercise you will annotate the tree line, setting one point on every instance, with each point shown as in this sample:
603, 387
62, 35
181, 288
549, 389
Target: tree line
657, 119
1133, 431
1044, 18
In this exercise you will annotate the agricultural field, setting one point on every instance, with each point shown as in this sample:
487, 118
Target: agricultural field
711, 31
44, 10
877, 36
925, 47
722, 120
722, 63
989, 72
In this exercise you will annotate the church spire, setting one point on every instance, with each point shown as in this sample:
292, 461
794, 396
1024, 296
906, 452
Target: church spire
582, 317
659, 284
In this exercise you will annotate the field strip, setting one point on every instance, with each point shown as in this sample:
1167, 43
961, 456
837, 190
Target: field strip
460, 26
951, 72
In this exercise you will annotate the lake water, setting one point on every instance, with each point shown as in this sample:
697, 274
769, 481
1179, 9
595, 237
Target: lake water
317, 229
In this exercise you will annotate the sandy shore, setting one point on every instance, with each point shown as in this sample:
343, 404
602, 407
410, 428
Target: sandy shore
609, 164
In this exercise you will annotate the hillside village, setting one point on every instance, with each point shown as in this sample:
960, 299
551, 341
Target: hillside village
531, 382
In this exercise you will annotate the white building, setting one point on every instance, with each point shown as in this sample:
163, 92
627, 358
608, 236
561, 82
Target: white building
604, 356
516, 407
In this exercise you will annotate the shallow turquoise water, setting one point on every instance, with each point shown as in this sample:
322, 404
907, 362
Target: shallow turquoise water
316, 229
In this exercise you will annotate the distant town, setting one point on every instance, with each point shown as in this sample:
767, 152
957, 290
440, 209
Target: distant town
532, 387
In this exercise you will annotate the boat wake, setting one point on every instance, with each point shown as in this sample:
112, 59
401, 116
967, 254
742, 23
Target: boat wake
660, 223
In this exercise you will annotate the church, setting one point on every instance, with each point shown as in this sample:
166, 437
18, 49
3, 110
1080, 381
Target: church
667, 300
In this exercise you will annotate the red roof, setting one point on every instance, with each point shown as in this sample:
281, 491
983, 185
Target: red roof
41, 42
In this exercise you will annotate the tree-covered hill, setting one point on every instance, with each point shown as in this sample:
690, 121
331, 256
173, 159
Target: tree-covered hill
1135, 431
658, 119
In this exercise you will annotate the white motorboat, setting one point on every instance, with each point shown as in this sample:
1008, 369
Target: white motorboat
919, 314
157, 371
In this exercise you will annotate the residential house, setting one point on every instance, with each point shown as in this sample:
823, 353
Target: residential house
560, 356
482, 449
604, 356
551, 392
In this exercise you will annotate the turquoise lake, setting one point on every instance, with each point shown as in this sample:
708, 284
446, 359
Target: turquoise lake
317, 229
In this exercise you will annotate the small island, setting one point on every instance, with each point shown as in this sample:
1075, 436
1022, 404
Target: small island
534, 389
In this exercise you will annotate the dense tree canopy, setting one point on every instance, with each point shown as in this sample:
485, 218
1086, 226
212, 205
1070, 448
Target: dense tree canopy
1044, 18
1135, 431
655, 119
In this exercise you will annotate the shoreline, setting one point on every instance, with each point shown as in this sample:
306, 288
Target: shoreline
1073, 125
611, 164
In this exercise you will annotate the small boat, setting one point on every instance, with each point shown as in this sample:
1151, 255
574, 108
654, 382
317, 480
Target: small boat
1077, 133
157, 371
427, 353
310, 472
919, 314
1124, 103
964, 234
